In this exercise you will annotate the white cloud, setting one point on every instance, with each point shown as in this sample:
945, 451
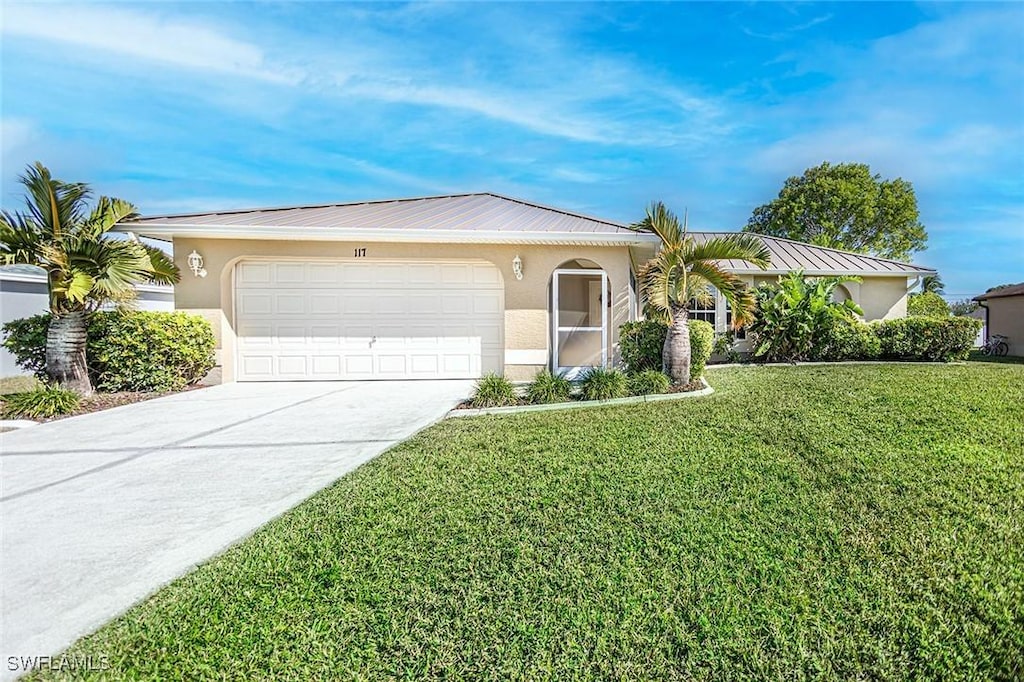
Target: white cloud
147, 36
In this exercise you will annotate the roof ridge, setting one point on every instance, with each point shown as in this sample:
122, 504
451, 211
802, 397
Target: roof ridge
268, 209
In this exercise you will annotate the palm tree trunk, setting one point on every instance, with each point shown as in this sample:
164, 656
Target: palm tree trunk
675, 354
65, 351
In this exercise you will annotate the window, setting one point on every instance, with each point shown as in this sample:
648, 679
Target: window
740, 333
704, 311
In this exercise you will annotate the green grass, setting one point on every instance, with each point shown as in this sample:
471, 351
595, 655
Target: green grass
978, 356
847, 522
18, 384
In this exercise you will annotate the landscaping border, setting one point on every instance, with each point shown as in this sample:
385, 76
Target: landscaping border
816, 363
579, 404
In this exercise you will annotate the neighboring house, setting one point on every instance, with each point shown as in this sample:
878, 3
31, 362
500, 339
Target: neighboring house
442, 287
1004, 314
23, 294
980, 314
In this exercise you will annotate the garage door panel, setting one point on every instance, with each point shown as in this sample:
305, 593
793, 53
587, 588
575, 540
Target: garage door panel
292, 366
326, 366
258, 367
255, 303
325, 320
290, 273
359, 366
254, 273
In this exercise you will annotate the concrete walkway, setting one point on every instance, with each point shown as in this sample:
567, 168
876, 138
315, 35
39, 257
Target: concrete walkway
99, 511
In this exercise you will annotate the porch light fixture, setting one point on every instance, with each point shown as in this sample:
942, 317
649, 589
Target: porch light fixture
195, 264
517, 267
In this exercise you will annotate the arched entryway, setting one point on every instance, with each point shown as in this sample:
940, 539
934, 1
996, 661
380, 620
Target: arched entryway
580, 317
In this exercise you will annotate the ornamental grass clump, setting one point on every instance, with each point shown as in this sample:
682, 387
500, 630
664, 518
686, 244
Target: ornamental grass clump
493, 390
599, 383
43, 402
549, 388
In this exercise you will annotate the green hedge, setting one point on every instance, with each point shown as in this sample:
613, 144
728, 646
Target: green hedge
928, 304
641, 343
131, 350
702, 340
845, 339
927, 338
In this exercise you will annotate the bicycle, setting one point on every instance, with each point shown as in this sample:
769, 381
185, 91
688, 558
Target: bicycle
996, 345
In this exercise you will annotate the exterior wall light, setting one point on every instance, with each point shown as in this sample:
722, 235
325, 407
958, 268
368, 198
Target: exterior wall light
517, 267
195, 264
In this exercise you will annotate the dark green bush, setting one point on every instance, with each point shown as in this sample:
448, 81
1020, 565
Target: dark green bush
844, 338
25, 339
133, 350
927, 338
928, 304
599, 383
493, 390
40, 403
640, 345
549, 388
148, 351
648, 382
702, 340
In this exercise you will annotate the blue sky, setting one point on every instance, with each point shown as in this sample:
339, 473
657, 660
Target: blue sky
599, 108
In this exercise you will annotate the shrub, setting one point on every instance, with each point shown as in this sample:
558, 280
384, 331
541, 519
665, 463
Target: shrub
148, 351
648, 382
702, 340
493, 390
549, 388
131, 350
40, 403
25, 339
928, 304
927, 338
795, 316
641, 343
599, 383
846, 339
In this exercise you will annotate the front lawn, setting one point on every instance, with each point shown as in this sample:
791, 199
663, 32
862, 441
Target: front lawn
804, 522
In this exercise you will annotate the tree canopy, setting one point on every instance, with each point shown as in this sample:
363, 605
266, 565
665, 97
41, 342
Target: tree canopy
845, 206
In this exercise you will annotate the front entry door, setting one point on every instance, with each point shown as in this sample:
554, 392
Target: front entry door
580, 320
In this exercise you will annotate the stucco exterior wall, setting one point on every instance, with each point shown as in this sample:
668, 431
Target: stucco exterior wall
527, 302
1006, 317
881, 298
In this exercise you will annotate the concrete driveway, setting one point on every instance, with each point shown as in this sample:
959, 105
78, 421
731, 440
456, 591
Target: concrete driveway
99, 511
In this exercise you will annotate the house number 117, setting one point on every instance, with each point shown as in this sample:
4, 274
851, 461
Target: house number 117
360, 253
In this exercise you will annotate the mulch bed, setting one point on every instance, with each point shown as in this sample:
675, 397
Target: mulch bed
98, 402
687, 388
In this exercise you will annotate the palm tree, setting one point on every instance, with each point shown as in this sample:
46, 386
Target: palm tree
932, 284
85, 267
684, 270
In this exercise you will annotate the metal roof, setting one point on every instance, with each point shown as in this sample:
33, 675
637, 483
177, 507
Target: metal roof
481, 218
787, 255
484, 212
1015, 290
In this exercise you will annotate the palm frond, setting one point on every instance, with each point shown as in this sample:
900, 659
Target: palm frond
107, 213
57, 205
662, 222
162, 267
741, 246
734, 289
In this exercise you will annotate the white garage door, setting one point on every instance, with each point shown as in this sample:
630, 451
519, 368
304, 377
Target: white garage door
324, 320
